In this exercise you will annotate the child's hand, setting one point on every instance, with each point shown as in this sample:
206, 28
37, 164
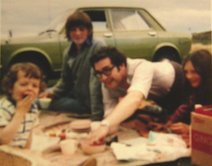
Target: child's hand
24, 105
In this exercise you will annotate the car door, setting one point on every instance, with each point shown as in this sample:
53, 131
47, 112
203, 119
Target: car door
133, 34
101, 24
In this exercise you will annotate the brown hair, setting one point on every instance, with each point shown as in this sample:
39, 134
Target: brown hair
202, 62
30, 70
79, 19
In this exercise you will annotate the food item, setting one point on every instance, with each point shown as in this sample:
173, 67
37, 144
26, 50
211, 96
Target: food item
81, 125
88, 148
101, 142
72, 135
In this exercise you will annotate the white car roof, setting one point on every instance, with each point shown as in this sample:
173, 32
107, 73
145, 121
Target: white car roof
105, 3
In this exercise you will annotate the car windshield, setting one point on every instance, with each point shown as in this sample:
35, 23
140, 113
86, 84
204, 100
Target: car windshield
57, 23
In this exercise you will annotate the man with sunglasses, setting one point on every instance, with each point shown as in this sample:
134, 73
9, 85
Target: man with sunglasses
133, 81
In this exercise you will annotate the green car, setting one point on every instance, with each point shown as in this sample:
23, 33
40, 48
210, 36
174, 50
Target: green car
130, 28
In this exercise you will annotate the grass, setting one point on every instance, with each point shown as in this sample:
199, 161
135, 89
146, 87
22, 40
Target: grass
197, 46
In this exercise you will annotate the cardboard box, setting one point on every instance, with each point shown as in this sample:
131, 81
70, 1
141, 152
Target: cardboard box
201, 137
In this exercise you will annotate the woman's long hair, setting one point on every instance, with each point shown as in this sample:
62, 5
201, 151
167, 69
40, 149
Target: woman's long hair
201, 61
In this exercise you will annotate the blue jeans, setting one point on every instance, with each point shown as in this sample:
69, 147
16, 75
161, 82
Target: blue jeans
67, 104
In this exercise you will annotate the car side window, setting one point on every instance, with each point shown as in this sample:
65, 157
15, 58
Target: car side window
98, 19
128, 19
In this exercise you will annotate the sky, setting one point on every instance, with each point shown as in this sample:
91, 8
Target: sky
31, 16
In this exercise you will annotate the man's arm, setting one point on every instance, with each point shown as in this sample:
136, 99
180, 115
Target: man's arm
125, 108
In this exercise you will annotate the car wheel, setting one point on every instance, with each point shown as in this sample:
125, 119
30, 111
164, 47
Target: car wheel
37, 61
167, 54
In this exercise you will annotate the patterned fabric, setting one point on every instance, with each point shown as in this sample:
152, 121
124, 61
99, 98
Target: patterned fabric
7, 111
183, 112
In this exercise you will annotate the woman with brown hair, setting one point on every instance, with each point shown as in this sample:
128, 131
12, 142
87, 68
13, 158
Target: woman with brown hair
78, 91
198, 73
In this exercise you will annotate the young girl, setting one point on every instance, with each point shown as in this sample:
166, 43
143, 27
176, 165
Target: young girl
18, 111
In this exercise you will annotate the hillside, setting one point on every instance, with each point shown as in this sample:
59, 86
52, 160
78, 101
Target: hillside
202, 37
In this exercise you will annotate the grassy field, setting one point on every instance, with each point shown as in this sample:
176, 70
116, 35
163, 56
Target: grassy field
202, 40
197, 46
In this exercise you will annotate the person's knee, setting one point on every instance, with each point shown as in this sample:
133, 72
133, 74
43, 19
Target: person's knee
70, 105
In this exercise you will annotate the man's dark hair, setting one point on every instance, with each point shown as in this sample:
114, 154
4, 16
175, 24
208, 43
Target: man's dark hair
116, 57
78, 19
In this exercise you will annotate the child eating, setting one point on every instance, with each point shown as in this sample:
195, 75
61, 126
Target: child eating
18, 110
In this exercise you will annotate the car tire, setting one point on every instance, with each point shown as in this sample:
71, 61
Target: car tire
37, 61
167, 54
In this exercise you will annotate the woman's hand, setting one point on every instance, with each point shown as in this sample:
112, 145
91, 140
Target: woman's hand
183, 130
180, 128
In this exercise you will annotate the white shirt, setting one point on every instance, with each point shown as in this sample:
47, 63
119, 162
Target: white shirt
152, 79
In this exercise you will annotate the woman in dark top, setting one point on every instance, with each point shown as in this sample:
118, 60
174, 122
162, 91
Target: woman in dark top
78, 91
198, 73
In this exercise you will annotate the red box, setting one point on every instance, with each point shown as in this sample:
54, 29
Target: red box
201, 137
